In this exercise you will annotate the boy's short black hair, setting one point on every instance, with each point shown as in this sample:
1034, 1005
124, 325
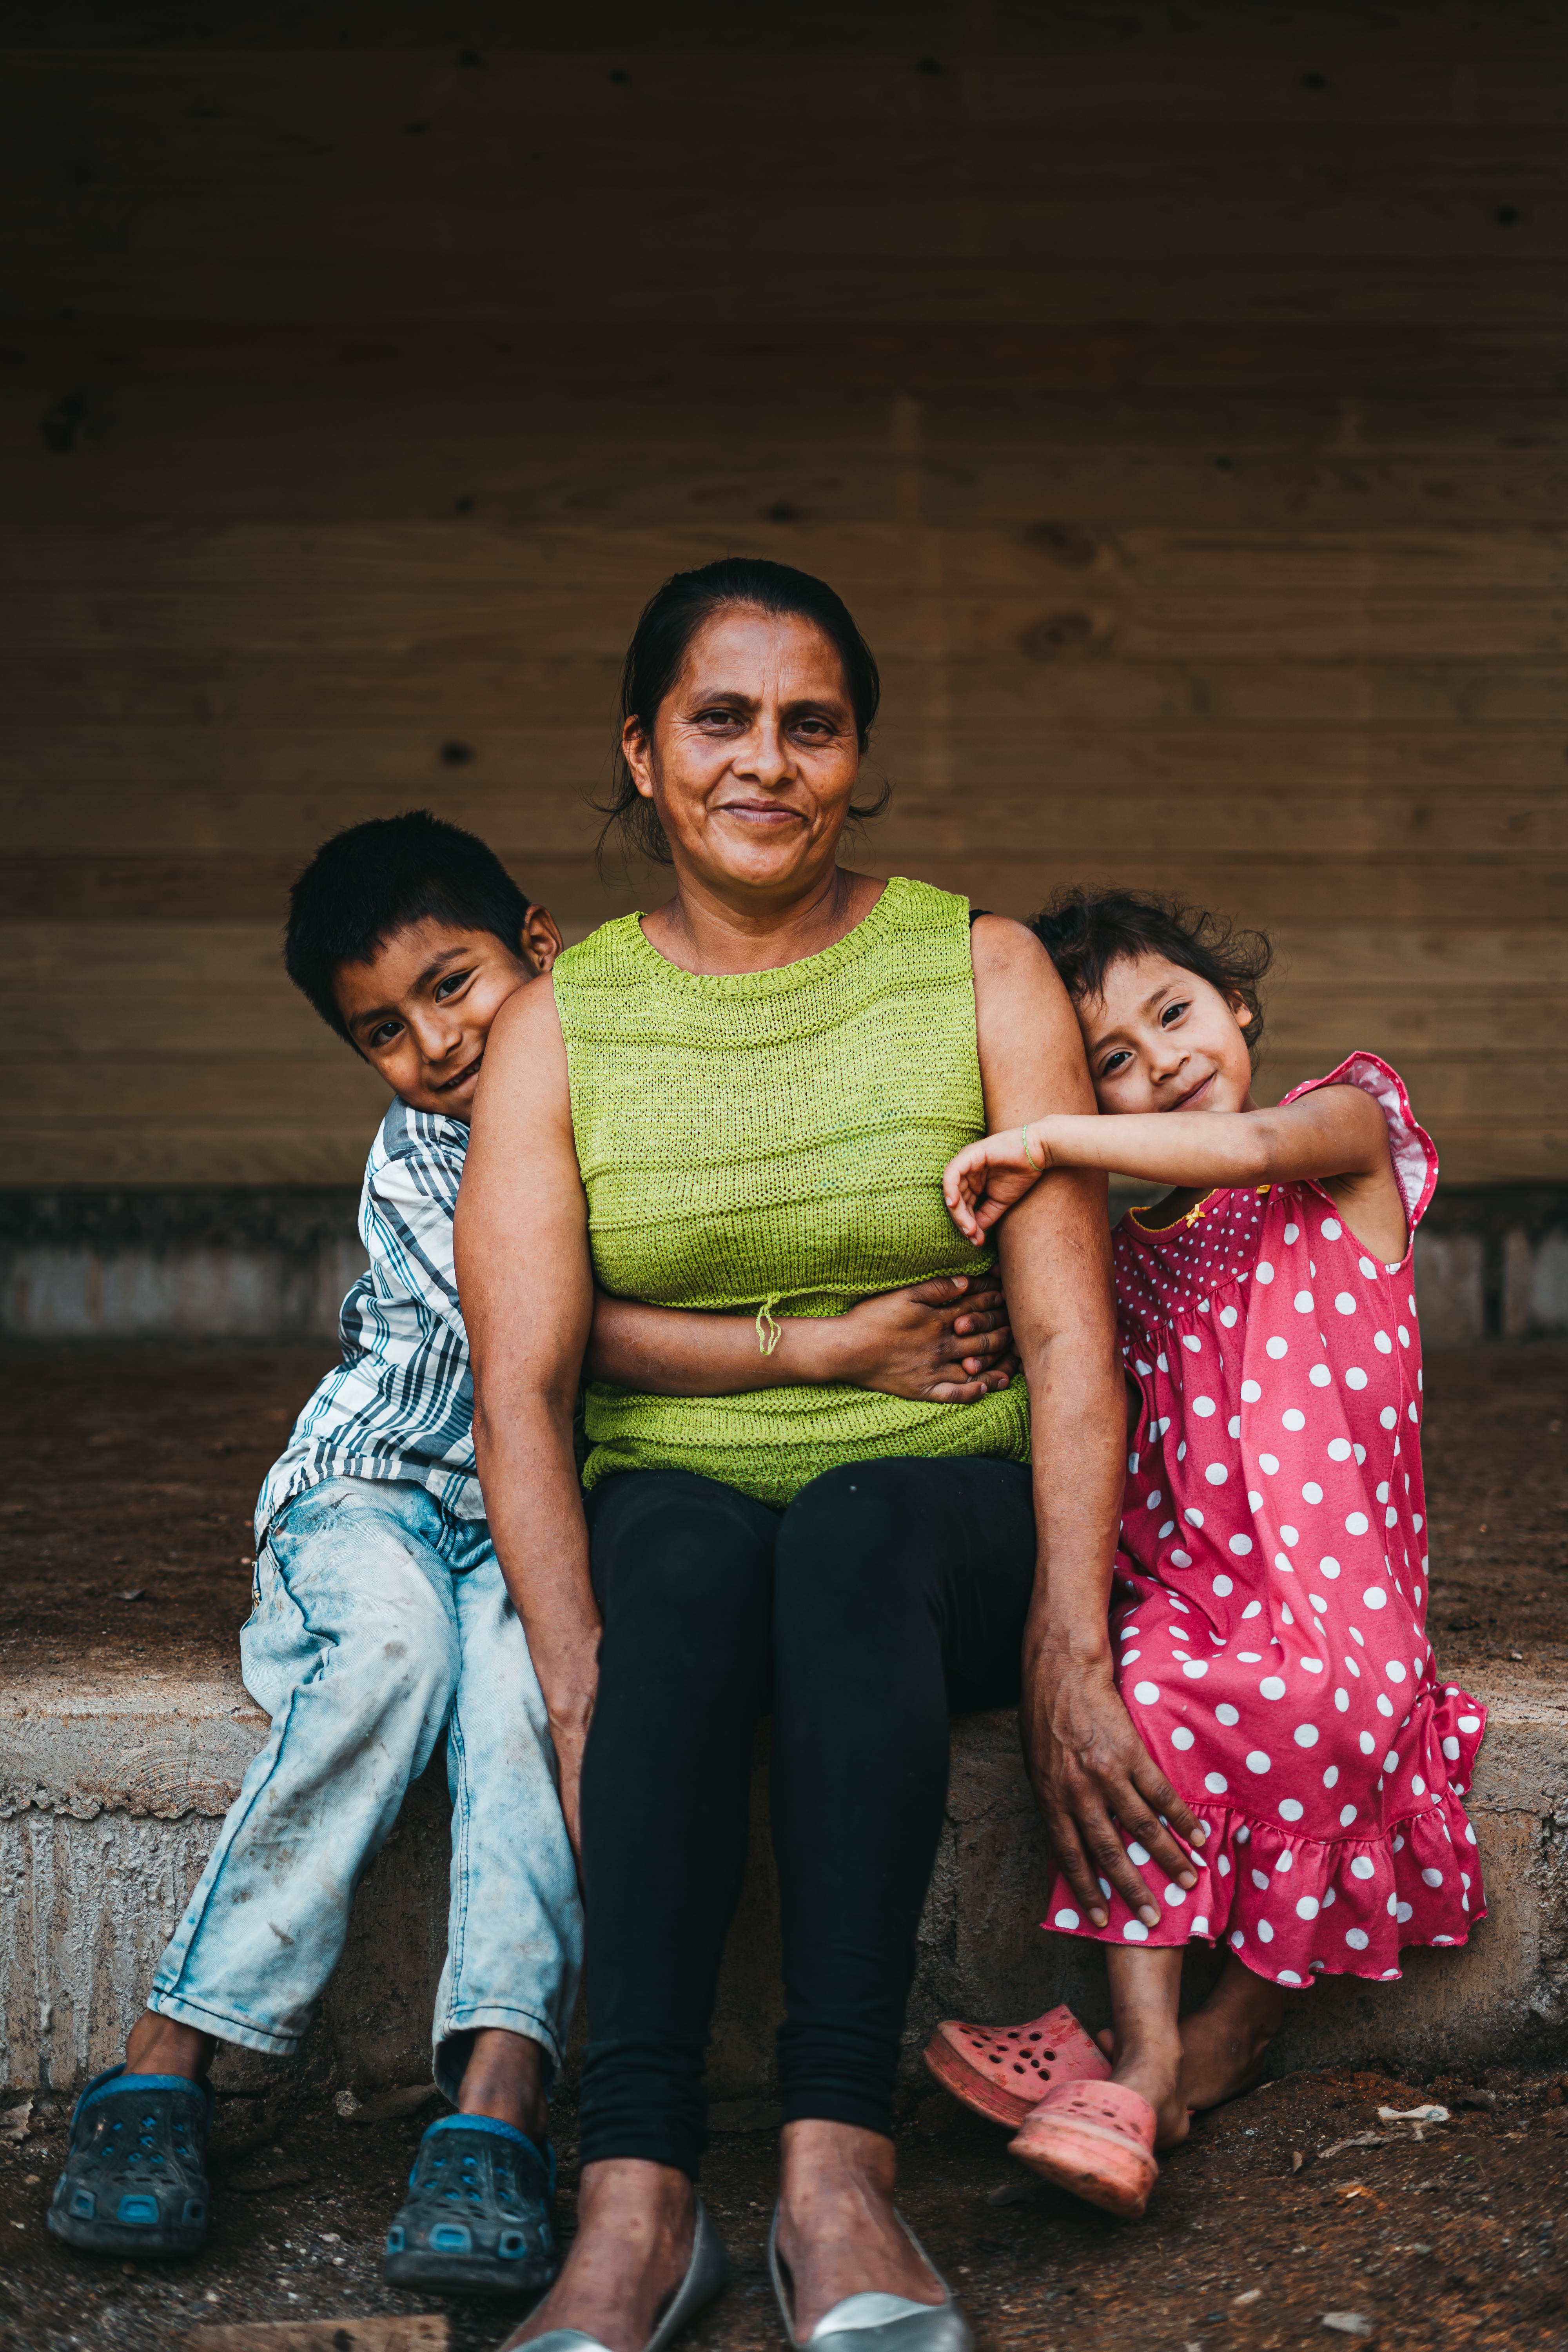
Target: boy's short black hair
366, 884
1084, 932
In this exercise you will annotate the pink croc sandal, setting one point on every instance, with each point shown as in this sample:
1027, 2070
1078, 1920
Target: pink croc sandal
1001, 2072
1097, 2140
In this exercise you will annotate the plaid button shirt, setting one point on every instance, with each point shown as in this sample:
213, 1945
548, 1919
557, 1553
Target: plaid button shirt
401, 1403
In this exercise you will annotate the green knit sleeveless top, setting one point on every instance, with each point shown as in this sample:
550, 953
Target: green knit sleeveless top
771, 1143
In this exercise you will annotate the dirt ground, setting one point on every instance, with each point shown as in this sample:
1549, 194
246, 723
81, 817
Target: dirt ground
133, 1471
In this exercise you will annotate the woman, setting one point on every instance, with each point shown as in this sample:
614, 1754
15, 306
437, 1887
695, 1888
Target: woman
745, 1100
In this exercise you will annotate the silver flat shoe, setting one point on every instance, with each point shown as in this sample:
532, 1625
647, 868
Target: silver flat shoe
707, 2276
873, 2322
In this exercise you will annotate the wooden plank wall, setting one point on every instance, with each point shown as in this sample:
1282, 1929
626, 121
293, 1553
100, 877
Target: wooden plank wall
1177, 397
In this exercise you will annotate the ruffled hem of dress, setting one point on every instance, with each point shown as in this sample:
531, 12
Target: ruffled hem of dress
1294, 1908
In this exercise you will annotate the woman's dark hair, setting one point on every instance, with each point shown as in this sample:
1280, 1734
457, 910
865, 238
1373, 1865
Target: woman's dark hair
670, 621
1084, 932
365, 886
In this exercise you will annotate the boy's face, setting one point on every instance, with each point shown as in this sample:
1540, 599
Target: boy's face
421, 1009
1162, 1039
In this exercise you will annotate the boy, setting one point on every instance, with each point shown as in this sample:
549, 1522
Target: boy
380, 1621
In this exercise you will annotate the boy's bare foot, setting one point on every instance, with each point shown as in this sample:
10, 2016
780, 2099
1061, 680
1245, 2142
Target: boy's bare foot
161, 2045
504, 2080
1224, 2041
635, 2226
838, 2234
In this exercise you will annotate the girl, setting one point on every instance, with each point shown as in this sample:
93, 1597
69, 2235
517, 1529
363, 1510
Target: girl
1270, 1606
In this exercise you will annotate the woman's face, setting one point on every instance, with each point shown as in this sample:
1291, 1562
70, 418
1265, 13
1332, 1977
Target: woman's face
752, 762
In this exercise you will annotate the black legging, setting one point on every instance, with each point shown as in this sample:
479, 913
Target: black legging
888, 1593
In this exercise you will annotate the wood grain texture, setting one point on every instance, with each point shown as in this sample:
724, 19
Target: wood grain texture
1176, 400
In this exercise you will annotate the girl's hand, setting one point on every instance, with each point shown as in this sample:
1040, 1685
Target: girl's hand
984, 1181
1086, 1763
946, 1341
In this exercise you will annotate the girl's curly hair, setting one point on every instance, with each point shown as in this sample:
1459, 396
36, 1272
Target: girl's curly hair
1084, 932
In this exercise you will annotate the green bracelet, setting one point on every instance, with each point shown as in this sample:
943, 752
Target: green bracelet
1038, 1165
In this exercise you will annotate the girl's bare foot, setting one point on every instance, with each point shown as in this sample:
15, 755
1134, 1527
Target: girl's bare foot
839, 2234
636, 2224
1224, 2041
1144, 2044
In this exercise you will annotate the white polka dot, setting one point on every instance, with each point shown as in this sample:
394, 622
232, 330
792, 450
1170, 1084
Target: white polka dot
1271, 1686
1345, 1303
1233, 1427
1181, 1558
1357, 1524
1388, 1417
1204, 1406
1191, 1339
1250, 1657
1451, 1749
1291, 1535
1293, 1419
1417, 1784
1222, 1585
1257, 1761
1410, 1408
1403, 1911
1312, 1492
1302, 1302
1181, 1737
1253, 1608
1200, 1925
1329, 1566
1468, 1722
1431, 1878
1339, 1449
1308, 1906
1268, 1462
1331, 1229
1342, 1701
1260, 1880
1250, 1392
1264, 1932
1362, 1867
1263, 1272
1374, 1597
1216, 1783
1366, 1267
1291, 1810
1391, 1761
1395, 1671
1130, 1657
1197, 1668
1321, 1376
1168, 1529
1145, 1693
1383, 1343
1355, 1377
1357, 1938
1137, 1854
1064, 1919
1367, 1743
1253, 1499
1384, 1707
1236, 1939
1241, 1545
1306, 1734
1225, 1714
1292, 1231
1217, 1473
1193, 1518
1276, 1348
1403, 1335
1174, 1894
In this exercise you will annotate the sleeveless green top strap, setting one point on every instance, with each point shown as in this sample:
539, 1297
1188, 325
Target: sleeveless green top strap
771, 1143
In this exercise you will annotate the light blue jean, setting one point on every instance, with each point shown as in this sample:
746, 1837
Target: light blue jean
380, 1621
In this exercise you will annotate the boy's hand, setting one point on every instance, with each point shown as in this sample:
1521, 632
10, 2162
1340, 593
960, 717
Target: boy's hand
984, 1181
946, 1341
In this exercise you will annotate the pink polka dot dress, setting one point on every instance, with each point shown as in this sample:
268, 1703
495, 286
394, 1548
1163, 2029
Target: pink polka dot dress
1270, 1615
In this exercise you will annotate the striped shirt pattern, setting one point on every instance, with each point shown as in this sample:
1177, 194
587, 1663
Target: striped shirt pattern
401, 1403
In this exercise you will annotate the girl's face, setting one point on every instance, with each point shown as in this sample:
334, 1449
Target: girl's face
753, 756
1162, 1039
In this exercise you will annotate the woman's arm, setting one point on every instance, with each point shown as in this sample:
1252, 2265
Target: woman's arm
1335, 1132
941, 1342
521, 1236
1085, 1760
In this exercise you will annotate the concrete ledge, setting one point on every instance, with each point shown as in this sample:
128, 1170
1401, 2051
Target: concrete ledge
109, 1800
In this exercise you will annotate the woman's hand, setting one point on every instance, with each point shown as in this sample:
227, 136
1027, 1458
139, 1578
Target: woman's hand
946, 1341
569, 1692
1096, 1785
984, 1181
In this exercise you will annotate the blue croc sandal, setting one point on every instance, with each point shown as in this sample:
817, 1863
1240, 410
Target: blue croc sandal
135, 2180
478, 2218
